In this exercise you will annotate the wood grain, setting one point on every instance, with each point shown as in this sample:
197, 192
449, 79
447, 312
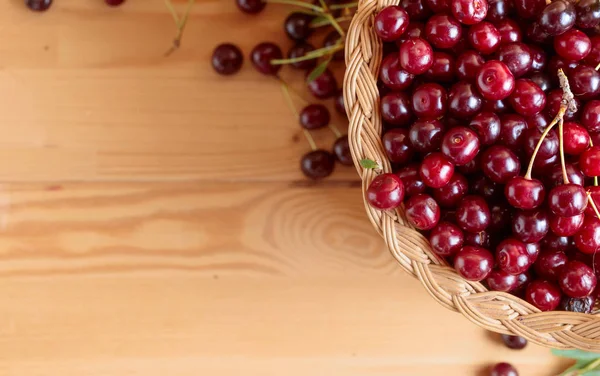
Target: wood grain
153, 220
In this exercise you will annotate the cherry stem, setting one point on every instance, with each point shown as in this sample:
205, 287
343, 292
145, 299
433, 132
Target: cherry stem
335, 130
311, 55
290, 102
181, 23
561, 143
301, 4
598, 66
343, 6
567, 102
326, 21
593, 204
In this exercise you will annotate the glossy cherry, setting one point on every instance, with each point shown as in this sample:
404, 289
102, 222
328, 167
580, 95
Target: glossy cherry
577, 280
558, 17
588, 14
297, 26
446, 239
487, 127
584, 81
530, 226
517, 57
390, 23
396, 109
589, 161
300, 50
509, 30
422, 211
426, 136
392, 75
246, 6
469, 12
544, 295
512, 256
397, 145
549, 146
524, 193
464, 100
474, 263
576, 138
468, 64
317, 164
314, 116
590, 116
262, 55
566, 226
324, 86
587, 240
460, 145
451, 193
514, 342
495, 81
499, 280
500, 164
442, 69
341, 149
473, 214
227, 59
443, 31
550, 263
385, 192
436, 170
429, 101
416, 55
484, 37
413, 184
498, 10
572, 45
527, 98
513, 131
567, 200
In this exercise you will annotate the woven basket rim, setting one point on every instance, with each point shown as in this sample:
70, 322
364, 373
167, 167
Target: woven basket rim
496, 311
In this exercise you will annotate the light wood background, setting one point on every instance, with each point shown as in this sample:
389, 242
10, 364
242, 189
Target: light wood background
154, 221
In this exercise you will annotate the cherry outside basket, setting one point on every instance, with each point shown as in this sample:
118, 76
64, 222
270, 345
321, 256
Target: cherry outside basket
496, 311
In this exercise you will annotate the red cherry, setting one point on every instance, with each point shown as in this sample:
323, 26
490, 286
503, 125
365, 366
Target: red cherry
422, 211
474, 263
589, 162
460, 145
524, 193
436, 170
499, 280
390, 23
543, 294
549, 264
577, 280
386, 191
566, 226
473, 214
587, 239
446, 239
512, 256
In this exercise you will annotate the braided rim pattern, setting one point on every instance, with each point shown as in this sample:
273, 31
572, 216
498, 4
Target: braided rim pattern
496, 311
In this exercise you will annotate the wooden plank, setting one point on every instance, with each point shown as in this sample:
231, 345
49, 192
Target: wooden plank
187, 279
109, 106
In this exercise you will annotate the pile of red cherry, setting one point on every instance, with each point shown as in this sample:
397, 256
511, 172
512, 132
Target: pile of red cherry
491, 111
267, 58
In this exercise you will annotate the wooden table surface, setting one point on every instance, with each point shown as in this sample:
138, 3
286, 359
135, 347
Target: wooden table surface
154, 221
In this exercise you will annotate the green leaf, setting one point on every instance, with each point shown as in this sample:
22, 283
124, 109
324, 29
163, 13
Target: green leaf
368, 164
576, 354
319, 69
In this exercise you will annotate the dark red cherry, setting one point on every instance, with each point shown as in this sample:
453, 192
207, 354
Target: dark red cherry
385, 192
314, 116
536, 33
390, 23
114, 3
484, 37
416, 55
412, 180
590, 117
587, 240
429, 101
262, 55
469, 12
392, 75
499, 217
577, 280
558, 17
478, 239
500, 164
416, 9
300, 50
495, 81
442, 69
554, 176
246, 6
464, 101
533, 250
397, 145
584, 81
514, 342
548, 147
438, 6
509, 30
553, 242
317, 164
543, 81
473, 214
512, 256
341, 149
324, 86
331, 40
530, 226
487, 127
436, 170
567, 200
422, 211
589, 161
572, 45
481, 185
588, 13
543, 294
529, 9
527, 98
512, 131
594, 56
538, 59
396, 109
566, 226
339, 103
499, 107
468, 64
446, 239
450, 194
474, 263
460, 145
414, 30
517, 57
576, 138
297, 26
498, 10
499, 280
443, 31
594, 192
524, 193
426, 135
549, 264
227, 59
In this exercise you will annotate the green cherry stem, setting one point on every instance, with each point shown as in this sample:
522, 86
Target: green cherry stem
343, 6
300, 4
290, 102
181, 23
559, 116
311, 55
561, 143
593, 204
320, 22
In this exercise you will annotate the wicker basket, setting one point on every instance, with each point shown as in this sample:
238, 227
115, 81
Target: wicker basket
492, 310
